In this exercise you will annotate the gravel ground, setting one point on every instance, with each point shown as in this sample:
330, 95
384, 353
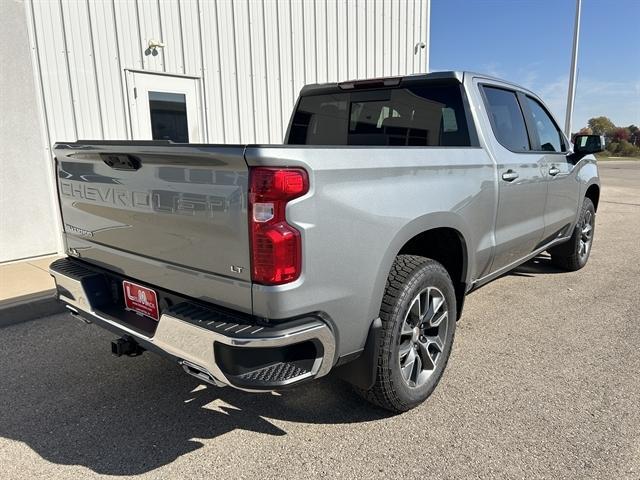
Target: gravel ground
542, 383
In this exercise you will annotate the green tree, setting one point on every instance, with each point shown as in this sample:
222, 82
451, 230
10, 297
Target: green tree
601, 125
634, 135
626, 149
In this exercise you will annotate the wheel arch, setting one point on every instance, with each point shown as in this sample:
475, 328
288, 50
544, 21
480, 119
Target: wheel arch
593, 194
441, 237
589, 180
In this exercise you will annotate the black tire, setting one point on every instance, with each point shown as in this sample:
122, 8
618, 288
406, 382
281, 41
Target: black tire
574, 254
410, 277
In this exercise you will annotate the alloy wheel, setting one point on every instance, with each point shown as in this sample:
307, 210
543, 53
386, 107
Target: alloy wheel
423, 336
586, 234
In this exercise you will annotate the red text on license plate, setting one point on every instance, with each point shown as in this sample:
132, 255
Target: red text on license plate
141, 300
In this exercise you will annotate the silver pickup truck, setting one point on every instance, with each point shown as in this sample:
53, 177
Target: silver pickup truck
350, 248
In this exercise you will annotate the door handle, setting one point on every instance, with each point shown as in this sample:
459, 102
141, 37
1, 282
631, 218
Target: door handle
509, 176
553, 171
121, 161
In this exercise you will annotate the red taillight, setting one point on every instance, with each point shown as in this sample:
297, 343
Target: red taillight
276, 247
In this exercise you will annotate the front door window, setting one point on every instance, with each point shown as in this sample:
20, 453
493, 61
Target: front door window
549, 135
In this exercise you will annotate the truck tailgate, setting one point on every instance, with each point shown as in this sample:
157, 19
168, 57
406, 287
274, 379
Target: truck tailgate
166, 214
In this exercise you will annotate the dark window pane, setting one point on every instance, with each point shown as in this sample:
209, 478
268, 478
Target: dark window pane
320, 120
422, 116
430, 115
548, 132
169, 116
507, 119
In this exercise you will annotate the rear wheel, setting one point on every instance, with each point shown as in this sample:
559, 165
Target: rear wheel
574, 254
418, 324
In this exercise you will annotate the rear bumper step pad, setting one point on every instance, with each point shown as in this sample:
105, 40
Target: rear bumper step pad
230, 350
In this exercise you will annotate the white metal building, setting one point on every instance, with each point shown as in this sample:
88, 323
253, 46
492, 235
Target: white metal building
94, 69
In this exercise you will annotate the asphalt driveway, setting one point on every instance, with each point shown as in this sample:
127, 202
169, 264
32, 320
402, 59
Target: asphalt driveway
544, 381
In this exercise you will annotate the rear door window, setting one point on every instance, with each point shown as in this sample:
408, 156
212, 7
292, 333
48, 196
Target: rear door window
428, 115
507, 119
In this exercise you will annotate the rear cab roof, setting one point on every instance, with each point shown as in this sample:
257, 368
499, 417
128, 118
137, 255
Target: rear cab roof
404, 80
381, 82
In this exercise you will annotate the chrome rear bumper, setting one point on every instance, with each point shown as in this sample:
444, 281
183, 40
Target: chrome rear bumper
209, 346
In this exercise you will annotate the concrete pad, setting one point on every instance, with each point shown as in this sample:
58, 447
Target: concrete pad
43, 262
21, 281
27, 291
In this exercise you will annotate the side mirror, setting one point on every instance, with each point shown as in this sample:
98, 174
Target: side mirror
584, 145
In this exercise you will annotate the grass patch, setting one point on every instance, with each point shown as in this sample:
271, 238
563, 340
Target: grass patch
605, 158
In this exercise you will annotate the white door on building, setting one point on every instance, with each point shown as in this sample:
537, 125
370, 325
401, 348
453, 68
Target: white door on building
164, 107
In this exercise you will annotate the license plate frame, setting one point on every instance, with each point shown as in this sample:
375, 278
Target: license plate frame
141, 300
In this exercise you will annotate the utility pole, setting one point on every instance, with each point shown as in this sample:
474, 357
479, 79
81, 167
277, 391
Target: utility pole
573, 71
428, 39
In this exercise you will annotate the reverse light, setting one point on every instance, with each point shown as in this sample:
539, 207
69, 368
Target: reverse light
263, 212
276, 246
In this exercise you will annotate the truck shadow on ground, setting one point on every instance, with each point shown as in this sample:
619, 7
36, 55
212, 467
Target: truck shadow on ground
73, 403
541, 264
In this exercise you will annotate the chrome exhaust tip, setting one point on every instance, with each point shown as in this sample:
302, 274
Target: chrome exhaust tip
200, 373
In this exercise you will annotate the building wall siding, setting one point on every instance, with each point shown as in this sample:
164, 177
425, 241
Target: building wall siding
27, 213
252, 56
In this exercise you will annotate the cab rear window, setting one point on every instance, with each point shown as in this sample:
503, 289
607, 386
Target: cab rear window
426, 115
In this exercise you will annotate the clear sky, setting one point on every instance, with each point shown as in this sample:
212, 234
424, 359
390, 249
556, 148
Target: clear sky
529, 42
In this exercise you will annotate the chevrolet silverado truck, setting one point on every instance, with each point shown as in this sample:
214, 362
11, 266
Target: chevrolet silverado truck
350, 247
